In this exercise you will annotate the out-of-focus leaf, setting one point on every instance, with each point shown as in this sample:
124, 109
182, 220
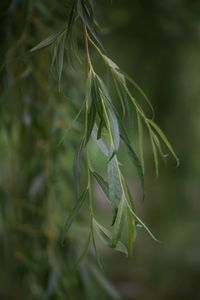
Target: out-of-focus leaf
48, 41
77, 167
105, 284
73, 214
60, 59
84, 249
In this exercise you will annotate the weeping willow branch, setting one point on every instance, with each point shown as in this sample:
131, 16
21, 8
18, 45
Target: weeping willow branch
105, 125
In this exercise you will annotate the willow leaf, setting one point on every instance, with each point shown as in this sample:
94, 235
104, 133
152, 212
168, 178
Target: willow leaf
60, 59
74, 213
77, 167
105, 284
135, 160
114, 184
85, 16
90, 121
72, 17
155, 153
48, 41
115, 131
142, 223
84, 249
164, 139
131, 231
141, 92
118, 224
106, 236
140, 137
100, 142
102, 183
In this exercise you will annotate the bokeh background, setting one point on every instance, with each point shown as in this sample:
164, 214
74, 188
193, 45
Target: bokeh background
158, 44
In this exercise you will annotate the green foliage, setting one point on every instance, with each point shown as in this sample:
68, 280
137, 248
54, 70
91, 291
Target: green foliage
104, 122
37, 190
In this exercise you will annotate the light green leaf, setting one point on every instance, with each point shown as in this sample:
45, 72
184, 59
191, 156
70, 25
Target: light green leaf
131, 231
114, 184
118, 224
141, 223
141, 92
155, 153
140, 137
106, 237
48, 41
164, 138
102, 183
100, 142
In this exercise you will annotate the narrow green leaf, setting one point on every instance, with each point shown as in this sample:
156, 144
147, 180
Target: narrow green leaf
135, 160
131, 231
95, 247
73, 214
84, 249
77, 166
157, 143
106, 237
164, 138
115, 130
60, 59
88, 21
100, 142
105, 284
102, 183
140, 137
155, 153
118, 224
90, 121
141, 92
72, 17
121, 96
48, 41
114, 184
142, 223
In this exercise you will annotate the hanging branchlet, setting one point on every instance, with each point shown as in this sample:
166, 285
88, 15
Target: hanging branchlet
105, 126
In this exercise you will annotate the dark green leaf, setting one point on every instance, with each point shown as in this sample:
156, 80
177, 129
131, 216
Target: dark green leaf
48, 41
88, 21
77, 167
118, 224
73, 214
84, 249
114, 184
102, 183
135, 160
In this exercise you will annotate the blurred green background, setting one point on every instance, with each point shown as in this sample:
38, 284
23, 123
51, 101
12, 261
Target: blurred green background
158, 44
